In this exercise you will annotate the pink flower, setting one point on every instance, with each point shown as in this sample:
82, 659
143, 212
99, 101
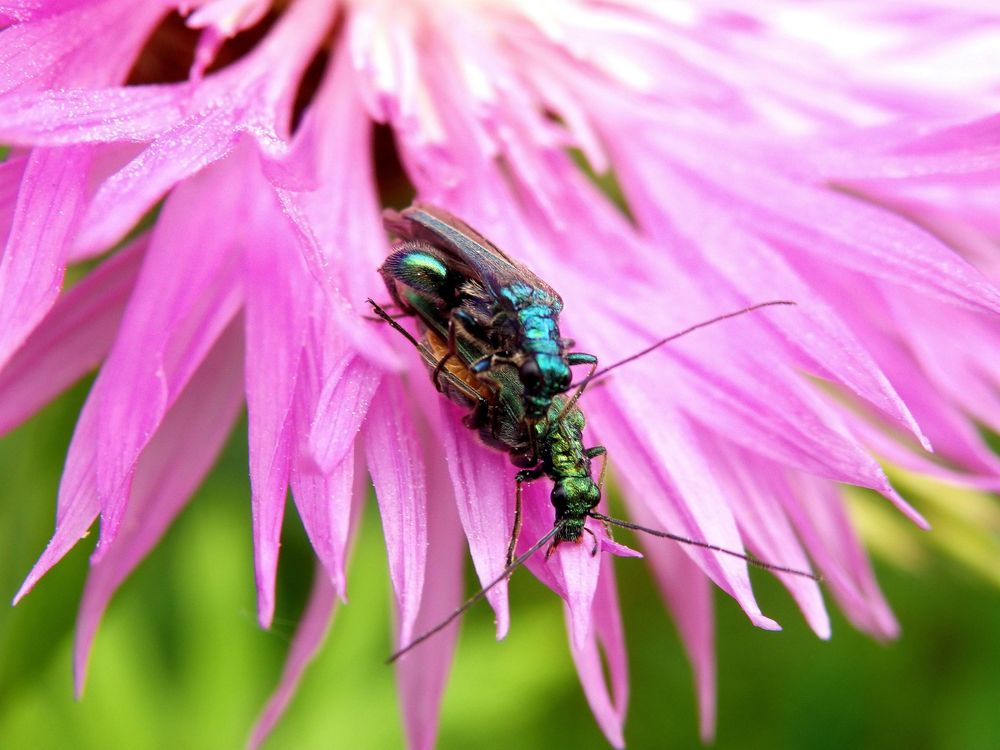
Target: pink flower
755, 164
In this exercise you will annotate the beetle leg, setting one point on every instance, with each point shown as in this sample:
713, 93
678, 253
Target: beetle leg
527, 475
438, 368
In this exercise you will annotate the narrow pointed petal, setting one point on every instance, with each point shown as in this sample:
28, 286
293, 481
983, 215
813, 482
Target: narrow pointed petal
186, 294
342, 404
77, 507
398, 473
49, 209
767, 529
323, 500
580, 572
309, 636
277, 309
616, 548
220, 20
903, 358
171, 467
132, 191
330, 196
907, 150
833, 543
980, 466
794, 216
956, 367
323, 495
608, 638
228, 16
250, 101
666, 466
483, 485
312, 628
775, 413
815, 333
72, 339
688, 594
572, 570
892, 248
423, 673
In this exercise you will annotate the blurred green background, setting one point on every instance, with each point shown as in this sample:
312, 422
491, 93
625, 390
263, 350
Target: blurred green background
180, 661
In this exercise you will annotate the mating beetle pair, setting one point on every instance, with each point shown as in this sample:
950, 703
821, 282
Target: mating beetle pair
491, 340
501, 323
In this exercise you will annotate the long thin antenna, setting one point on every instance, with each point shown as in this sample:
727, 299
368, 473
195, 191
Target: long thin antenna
479, 595
750, 559
675, 336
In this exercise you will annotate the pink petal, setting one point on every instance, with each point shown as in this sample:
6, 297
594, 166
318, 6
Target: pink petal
169, 470
827, 533
580, 573
63, 117
49, 50
228, 16
976, 456
186, 294
955, 439
49, 208
956, 365
397, 471
279, 298
341, 406
955, 208
813, 330
422, 673
323, 493
221, 20
665, 466
689, 597
768, 531
617, 549
253, 97
72, 339
312, 626
309, 636
908, 150
484, 490
775, 413
609, 637
77, 506
329, 194
128, 194
572, 570
11, 173
323, 500
785, 209
863, 238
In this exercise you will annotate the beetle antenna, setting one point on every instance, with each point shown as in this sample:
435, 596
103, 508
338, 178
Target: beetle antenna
479, 595
673, 337
750, 559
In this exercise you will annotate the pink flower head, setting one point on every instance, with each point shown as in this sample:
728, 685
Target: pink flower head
757, 159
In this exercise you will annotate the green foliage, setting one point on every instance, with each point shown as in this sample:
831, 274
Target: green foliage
180, 661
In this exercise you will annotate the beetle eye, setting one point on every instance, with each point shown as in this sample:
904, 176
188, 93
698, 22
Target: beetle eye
531, 376
559, 498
